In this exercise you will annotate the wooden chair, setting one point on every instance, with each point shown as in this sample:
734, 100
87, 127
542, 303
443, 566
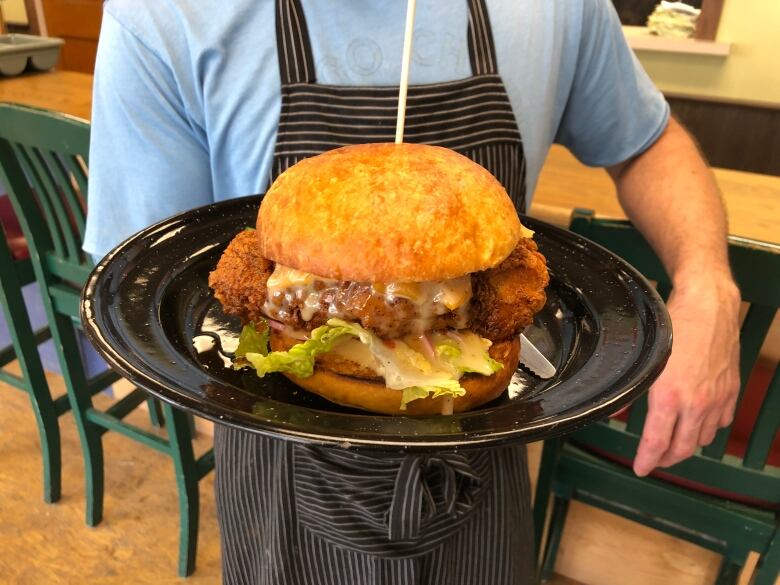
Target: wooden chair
727, 496
16, 271
43, 163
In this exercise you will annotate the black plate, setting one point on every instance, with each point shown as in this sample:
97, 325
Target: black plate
148, 309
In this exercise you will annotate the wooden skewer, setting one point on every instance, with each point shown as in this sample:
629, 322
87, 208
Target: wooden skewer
399, 124
448, 405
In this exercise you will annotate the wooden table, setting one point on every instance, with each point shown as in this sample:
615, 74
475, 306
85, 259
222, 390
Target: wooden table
753, 201
63, 91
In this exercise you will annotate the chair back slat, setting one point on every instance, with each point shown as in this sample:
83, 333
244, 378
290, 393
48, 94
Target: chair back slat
30, 183
52, 195
77, 167
42, 163
664, 290
637, 415
620, 235
756, 269
756, 325
754, 266
767, 424
74, 197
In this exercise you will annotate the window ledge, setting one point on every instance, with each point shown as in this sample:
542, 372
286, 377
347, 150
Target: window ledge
640, 40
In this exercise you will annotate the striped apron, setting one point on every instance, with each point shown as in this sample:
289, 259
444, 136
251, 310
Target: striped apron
292, 514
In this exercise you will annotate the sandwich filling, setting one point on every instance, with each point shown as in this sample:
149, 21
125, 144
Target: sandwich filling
419, 337
426, 365
393, 309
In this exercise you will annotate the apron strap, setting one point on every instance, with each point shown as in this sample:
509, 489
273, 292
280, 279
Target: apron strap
482, 51
292, 41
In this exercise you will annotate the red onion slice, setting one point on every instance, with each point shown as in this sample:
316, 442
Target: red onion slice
427, 346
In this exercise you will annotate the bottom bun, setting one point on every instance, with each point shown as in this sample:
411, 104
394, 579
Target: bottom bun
374, 396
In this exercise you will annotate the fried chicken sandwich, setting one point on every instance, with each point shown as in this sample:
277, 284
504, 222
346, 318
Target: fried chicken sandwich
390, 278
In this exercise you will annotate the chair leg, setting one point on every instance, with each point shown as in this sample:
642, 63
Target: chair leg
90, 434
560, 509
191, 422
768, 567
26, 351
180, 438
728, 573
49, 434
155, 412
550, 455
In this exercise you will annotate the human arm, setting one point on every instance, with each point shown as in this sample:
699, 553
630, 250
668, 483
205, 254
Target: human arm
615, 118
148, 157
671, 196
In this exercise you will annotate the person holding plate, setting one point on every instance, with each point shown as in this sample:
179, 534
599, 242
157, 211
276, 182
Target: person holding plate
196, 102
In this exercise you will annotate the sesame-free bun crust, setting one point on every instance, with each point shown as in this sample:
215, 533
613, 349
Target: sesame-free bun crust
374, 396
387, 213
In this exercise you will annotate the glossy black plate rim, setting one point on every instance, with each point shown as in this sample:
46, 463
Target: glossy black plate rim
143, 377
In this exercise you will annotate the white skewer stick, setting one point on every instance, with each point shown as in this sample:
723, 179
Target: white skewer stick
448, 405
399, 124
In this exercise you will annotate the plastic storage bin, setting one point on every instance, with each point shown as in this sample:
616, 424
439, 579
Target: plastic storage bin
17, 51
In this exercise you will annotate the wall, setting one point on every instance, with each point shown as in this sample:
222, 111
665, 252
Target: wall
733, 136
14, 11
750, 73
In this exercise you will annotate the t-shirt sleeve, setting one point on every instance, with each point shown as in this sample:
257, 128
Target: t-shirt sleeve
613, 111
148, 158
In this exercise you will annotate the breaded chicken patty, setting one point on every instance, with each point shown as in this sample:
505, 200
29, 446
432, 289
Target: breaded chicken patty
239, 281
503, 302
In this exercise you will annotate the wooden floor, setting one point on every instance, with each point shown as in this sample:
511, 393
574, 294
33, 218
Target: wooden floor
137, 542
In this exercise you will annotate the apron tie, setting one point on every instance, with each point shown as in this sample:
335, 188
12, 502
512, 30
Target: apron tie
414, 504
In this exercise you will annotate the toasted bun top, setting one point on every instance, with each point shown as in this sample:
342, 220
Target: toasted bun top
387, 213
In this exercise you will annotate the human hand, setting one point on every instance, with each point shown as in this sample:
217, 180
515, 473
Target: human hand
697, 392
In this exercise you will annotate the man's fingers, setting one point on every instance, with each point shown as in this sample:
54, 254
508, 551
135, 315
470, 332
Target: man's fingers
684, 442
709, 428
656, 437
727, 416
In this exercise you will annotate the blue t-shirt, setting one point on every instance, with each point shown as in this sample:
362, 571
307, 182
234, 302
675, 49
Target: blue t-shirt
187, 92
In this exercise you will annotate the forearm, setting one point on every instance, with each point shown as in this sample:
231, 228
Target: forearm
671, 196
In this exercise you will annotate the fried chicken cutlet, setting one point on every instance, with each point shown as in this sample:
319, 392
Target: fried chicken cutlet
503, 299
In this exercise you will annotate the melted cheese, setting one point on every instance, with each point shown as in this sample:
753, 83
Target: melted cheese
284, 277
357, 352
451, 294
432, 298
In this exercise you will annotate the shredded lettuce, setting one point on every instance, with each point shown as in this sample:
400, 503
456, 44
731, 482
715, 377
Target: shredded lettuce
299, 359
447, 350
252, 341
412, 393
402, 367
415, 392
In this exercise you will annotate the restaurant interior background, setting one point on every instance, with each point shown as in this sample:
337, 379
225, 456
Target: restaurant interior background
724, 86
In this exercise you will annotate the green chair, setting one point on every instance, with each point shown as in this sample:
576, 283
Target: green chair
16, 272
724, 498
43, 163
